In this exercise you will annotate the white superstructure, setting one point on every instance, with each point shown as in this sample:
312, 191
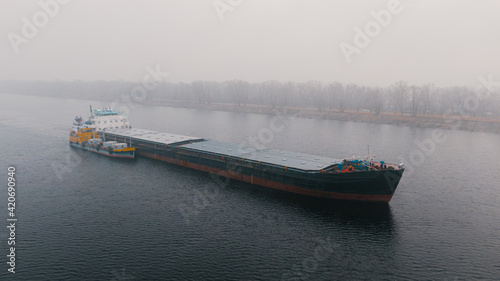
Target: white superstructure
107, 119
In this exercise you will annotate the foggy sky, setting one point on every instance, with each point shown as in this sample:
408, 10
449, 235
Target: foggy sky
441, 42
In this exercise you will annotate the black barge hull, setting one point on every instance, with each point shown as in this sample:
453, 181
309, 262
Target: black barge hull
370, 185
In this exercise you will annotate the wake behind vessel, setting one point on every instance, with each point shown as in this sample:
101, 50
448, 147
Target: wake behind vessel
360, 179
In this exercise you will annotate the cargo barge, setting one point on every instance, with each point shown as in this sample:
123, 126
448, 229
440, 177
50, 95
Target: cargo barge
358, 179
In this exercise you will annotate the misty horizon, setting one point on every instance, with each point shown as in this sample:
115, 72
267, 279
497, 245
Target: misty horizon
373, 44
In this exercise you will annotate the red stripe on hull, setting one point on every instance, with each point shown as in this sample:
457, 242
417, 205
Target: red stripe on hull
273, 184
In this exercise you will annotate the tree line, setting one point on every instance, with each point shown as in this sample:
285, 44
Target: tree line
400, 98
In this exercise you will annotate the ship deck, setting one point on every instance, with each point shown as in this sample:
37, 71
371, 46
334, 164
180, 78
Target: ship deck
277, 157
269, 156
151, 136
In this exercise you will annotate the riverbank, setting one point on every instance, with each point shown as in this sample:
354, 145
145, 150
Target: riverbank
464, 123
450, 122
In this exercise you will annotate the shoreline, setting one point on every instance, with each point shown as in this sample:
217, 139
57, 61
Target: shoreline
452, 122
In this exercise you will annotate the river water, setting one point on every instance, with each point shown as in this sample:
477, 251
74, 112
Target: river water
82, 216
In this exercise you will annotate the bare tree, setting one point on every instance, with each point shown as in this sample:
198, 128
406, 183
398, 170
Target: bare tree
425, 94
335, 95
400, 89
198, 90
351, 90
239, 91
287, 93
377, 99
317, 93
270, 90
415, 100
